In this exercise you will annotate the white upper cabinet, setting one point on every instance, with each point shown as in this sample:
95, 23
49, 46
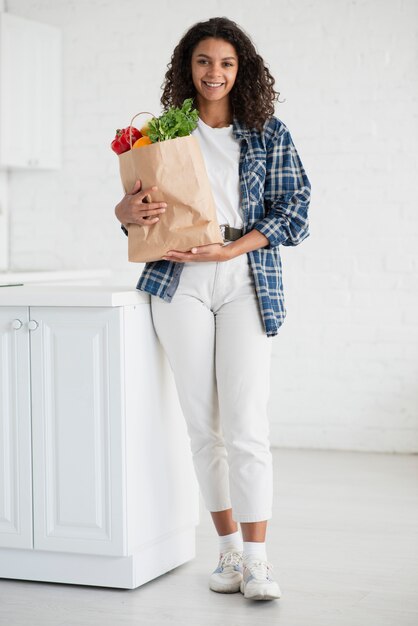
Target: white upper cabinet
30, 94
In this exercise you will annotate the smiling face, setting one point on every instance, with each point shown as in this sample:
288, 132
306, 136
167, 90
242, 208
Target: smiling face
214, 70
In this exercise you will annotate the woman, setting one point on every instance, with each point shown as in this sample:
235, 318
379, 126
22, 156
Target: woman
216, 307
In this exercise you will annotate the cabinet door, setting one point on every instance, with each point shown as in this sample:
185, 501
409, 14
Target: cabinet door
30, 93
15, 430
78, 430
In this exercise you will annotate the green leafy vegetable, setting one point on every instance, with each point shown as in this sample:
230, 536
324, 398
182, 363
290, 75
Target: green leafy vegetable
175, 122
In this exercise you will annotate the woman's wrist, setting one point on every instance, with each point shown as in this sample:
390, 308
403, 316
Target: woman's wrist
229, 251
252, 240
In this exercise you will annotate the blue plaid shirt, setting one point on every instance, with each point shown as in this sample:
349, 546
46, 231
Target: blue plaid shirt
275, 195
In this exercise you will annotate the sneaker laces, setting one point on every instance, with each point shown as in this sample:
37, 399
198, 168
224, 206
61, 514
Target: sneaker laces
230, 558
259, 569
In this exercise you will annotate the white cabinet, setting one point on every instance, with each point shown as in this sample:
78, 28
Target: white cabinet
97, 484
30, 94
15, 431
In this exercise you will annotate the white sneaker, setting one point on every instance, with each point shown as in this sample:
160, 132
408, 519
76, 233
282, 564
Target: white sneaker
258, 582
227, 577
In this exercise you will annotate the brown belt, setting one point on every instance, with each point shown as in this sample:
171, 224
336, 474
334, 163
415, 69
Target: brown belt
229, 233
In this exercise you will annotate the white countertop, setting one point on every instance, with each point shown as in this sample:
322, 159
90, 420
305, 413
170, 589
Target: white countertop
41, 276
72, 295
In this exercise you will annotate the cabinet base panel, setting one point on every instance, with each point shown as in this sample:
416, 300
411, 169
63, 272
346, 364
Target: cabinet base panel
125, 572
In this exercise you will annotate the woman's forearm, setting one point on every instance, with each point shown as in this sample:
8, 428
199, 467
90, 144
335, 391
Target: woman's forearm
251, 241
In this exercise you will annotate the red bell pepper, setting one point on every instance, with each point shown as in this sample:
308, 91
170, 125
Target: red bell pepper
121, 143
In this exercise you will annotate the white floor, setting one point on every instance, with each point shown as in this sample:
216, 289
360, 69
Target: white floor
343, 541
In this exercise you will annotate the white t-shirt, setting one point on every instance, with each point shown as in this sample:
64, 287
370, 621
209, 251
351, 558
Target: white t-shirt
221, 154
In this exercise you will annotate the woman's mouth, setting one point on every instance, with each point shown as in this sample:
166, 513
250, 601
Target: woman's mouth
212, 86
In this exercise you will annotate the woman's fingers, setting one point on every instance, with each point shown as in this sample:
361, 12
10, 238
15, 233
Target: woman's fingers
152, 206
136, 187
142, 211
148, 211
141, 202
147, 192
149, 215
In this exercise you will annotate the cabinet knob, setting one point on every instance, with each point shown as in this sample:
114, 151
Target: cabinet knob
33, 325
16, 324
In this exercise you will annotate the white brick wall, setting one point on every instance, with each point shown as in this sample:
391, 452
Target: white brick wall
345, 362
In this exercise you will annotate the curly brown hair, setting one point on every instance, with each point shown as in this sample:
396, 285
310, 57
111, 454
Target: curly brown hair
252, 97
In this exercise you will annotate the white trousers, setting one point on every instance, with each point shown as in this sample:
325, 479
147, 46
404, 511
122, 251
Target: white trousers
214, 339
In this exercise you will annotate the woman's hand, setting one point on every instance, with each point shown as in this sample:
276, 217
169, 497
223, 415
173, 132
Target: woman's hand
133, 210
210, 252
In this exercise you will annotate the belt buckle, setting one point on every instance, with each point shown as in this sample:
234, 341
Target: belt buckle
223, 228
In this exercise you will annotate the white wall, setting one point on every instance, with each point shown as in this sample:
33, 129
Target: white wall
345, 361
4, 210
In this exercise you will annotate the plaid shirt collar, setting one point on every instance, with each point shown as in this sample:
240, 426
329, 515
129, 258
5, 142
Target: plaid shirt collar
239, 130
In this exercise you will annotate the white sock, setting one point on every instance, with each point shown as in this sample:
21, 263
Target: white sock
230, 542
255, 549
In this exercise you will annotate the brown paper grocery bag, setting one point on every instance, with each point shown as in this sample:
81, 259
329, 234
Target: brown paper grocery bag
177, 168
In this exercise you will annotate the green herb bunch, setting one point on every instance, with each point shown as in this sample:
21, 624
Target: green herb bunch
175, 122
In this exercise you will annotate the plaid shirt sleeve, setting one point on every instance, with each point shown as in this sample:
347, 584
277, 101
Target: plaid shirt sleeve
287, 194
